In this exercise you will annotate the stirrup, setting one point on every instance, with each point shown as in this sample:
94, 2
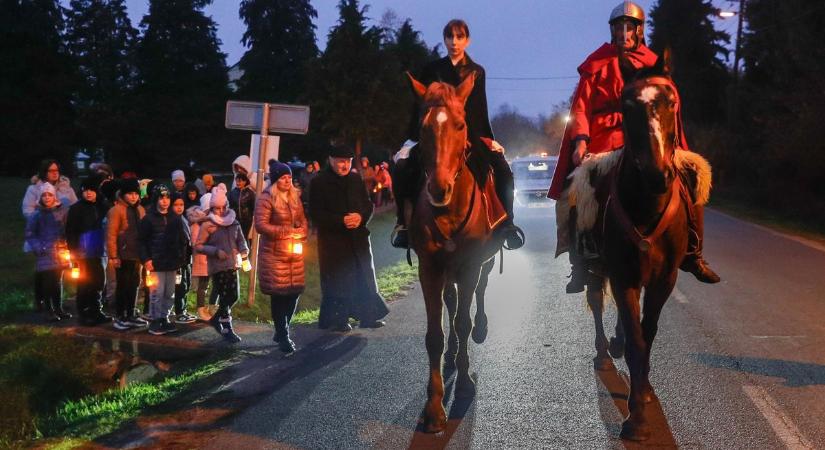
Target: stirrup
514, 232
399, 238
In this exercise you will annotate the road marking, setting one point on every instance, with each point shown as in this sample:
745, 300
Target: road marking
801, 240
778, 337
679, 296
782, 425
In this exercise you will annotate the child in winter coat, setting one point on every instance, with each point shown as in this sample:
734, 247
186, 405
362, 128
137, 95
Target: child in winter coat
85, 236
122, 247
184, 274
242, 201
164, 237
195, 215
222, 240
45, 236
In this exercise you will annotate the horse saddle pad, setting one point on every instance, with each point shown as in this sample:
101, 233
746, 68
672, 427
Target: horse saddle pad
493, 207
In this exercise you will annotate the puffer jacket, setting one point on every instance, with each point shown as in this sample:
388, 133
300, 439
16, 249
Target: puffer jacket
196, 216
164, 239
280, 272
64, 192
45, 228
84, 228
122, 231
243, 202
221, 233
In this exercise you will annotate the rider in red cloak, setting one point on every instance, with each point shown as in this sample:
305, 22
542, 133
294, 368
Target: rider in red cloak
595, 125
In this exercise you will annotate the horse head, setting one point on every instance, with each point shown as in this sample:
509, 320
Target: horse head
650, 106
443, 138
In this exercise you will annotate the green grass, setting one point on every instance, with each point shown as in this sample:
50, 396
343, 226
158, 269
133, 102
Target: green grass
96, 415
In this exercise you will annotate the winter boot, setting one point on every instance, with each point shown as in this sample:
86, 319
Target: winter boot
226, 330
694, 262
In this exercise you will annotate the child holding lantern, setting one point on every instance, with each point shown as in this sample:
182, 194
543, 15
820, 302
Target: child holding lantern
280, 220
45, 236
221, 239
85, 236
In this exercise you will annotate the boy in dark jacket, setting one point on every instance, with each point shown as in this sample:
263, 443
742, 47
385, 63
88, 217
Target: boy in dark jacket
85, 236
183, 278
242, 201
163, 236
122, 247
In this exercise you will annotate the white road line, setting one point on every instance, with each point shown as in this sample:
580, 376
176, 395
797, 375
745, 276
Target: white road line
782, 425
679, 296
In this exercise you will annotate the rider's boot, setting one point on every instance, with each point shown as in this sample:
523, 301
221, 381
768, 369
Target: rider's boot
404, 178
400, 237
694, 262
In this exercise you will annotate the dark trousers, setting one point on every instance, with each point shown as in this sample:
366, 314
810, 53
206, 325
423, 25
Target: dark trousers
504, 181
283, 308
48, 290
128, 281
225, 285
90, 287
182, 289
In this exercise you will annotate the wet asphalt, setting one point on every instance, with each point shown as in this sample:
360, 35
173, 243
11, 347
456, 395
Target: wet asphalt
735, 365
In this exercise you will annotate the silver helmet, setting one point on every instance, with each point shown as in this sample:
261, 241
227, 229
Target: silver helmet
635, 13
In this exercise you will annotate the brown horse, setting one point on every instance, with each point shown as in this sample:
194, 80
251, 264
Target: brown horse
645, 226
452, 239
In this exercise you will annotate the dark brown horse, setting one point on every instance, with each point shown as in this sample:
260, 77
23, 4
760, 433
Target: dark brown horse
452, 239
645, 229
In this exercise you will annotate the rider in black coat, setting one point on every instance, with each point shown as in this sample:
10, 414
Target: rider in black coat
453, 69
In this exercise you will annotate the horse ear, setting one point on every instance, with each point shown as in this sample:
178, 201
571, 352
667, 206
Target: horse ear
466, 87
665, 61
417, 86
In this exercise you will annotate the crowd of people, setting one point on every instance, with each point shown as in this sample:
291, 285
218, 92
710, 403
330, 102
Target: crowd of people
128, 237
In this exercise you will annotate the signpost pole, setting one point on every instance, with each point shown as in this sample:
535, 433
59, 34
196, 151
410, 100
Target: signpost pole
259, 188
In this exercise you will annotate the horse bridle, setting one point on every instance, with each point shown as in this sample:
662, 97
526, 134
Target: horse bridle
658, 81
465, 152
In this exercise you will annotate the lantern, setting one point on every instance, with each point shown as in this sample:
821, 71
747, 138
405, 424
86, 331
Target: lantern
75, 274
297, 248
246, 265
151, 279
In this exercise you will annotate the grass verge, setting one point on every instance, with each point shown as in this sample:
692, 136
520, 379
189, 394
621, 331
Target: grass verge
96, 415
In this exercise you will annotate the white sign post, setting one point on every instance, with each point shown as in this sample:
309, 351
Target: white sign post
265, 118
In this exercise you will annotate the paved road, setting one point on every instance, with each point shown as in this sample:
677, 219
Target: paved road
736, 365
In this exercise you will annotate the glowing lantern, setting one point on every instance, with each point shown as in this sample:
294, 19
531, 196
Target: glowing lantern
151, 279
246, 265
297, 248
75, 273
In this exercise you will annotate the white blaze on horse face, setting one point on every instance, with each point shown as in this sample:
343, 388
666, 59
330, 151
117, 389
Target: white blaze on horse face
441, 118
647, 96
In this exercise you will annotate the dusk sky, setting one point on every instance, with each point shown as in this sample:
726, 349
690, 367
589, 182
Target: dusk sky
514, 39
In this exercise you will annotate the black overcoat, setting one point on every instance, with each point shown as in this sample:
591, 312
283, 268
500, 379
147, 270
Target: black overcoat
348, 285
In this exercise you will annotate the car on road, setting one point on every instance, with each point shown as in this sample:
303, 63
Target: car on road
532, 176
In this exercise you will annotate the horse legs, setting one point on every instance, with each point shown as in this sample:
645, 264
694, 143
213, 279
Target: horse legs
595, 300
451, 300
480, 322
654, 301
616, 347
432, 284
467, 281
635, 426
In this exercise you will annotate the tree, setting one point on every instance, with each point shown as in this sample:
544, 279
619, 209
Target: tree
36, 84
349, 82
280, 38
100, 38
180, 100
701, 75
519, 134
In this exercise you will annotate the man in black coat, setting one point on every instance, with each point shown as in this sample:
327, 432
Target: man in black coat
340, 207
485, 151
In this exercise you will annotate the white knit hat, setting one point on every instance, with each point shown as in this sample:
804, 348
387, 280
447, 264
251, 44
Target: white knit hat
178, 175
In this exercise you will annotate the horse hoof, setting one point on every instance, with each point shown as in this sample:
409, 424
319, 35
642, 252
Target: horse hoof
601, 363
480, 334
648, 395
465, 388
616, 347
434, 424
634, 431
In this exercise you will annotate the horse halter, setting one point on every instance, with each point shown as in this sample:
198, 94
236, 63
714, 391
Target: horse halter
465, 152
656, 81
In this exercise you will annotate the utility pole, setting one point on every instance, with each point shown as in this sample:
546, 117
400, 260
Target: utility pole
738, 41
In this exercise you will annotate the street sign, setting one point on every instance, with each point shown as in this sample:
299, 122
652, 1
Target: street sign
292, 119
272, 147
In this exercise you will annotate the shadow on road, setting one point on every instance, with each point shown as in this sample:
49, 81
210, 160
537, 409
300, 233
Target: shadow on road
613, 388
795, 373
457, 413
203, 420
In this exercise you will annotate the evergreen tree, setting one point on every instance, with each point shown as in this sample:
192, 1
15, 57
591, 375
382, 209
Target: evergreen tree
100, 38
180, 101
36, 83
280, 38
349, 82
701, 75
